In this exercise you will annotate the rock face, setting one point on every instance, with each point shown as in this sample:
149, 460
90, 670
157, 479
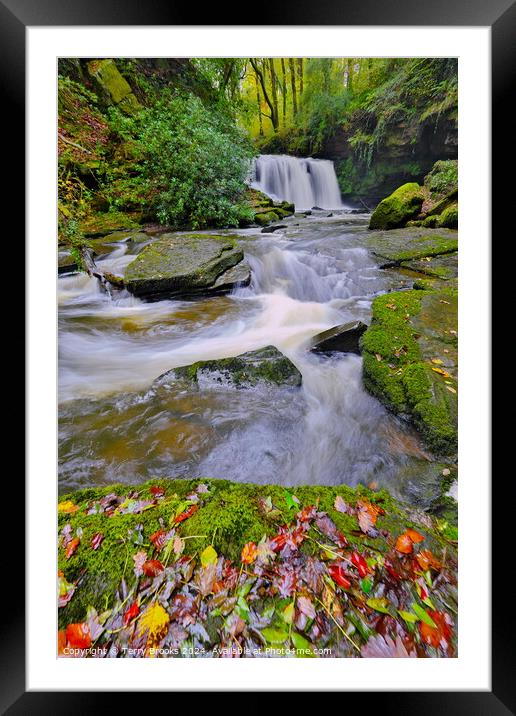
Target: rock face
393, 248
263, 365
410, 361
402, 205
112, 86
266, 210
344, 338
186, 264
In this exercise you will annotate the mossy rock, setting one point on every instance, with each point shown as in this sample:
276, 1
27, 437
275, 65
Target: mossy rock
444, 267
181, 264
102, 224
113, 86
430, 222
262, 365
410, 361
265, 218
443, 203
398, 245
443, 178
401, 206
449, 219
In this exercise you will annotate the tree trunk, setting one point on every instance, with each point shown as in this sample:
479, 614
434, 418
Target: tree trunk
350, 75
259, 73
259, 105
284, 90
301, 76
293, 84
274, 87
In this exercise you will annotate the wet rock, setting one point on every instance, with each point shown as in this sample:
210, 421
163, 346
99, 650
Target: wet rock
263, 365
271, 229
344, 338
395, 210
65, 262
444, 267
399, 245
235, 277
184, 265
317, 208
410, 361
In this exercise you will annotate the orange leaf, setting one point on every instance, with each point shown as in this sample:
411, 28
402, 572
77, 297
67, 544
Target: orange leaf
440, 636
152, 567
426, 559
249, 553
78, 635
404, 544
72, 547
186, 514
61, 641
414, 536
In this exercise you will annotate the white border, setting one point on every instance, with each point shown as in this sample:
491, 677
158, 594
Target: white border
471, 670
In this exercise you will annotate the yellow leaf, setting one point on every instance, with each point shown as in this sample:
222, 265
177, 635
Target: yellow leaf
154, 621
67, 507
209, 556
437, 361
441, 372
452, 390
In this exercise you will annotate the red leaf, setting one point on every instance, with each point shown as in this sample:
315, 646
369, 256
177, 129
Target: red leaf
360, 564
278, 542
131, 613
78, 635
306, 514
158, 539
440, 636
392, 571
186, 514
61, 641
152, 567
339, 576
72, 547
97, 540
157, 491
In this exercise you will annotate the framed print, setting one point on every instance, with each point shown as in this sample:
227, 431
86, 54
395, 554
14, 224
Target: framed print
248, 434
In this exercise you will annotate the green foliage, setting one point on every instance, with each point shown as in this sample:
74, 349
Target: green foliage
443, 178
195, 163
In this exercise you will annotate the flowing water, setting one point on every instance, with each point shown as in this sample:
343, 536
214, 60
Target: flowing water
306, 183
120, 422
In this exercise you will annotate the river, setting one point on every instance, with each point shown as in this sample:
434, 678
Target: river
119, 422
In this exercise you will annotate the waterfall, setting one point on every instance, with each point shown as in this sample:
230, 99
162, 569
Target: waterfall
305, 182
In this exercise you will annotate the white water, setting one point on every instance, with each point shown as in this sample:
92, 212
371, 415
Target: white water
304, 182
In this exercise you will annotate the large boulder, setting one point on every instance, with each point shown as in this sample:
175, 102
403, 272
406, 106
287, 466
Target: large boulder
344, 338
112, 86
182, 264
263, 365
395, 210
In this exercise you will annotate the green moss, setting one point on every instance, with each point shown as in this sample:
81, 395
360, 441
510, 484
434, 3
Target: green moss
450, 217
398, 208
113, 85
396, 371
265, 218
430, 222
106, 223
443, 178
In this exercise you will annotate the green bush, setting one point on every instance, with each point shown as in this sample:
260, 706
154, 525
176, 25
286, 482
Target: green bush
195, 163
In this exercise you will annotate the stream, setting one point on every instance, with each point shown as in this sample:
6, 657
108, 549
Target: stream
120, 422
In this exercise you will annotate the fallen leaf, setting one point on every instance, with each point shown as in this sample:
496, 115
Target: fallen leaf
378, 357
131, 613
404, 544
152, 567
186, 514
441, 372
275, 636
379, 604
97, 540
439, 635
338, 575
452, 390
78, 636
306, 606
157, 491
249, 553
72, 547
67, 507
427, 560
360, 564
209, 556
340, 505
384, 647
154, 622
65, 591
437, 361
416, 537
139, 559
446, 472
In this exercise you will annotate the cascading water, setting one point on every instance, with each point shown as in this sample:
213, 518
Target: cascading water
119, 423
304, 182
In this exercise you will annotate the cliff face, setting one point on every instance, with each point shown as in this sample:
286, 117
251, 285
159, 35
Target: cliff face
407, 153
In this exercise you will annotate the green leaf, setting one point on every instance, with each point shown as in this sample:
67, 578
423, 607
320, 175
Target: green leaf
366, 584
422, 614
208, 556
288, 613
275, 636
289, 499
380, 605
408, 616
302, 645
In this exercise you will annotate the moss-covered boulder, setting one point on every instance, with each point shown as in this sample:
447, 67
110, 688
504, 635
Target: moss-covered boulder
104, 223
394, 247
402, 205
263, 365
344, 338
449, 219
444, 267
410, 361
112, 86
181, 264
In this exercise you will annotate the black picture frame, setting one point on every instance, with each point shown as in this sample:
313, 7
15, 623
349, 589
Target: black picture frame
500, 16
